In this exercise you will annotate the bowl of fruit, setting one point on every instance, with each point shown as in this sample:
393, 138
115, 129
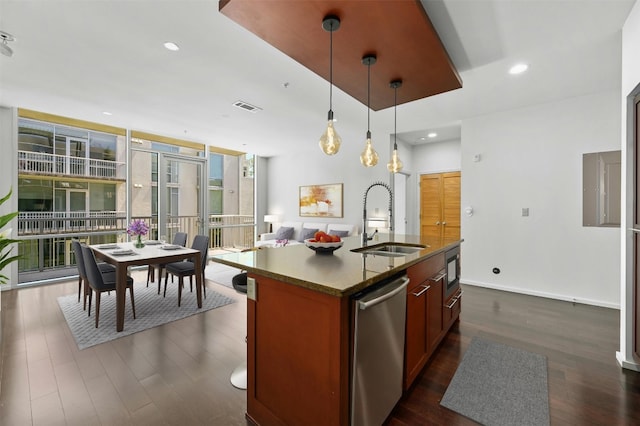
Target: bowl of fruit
324, 243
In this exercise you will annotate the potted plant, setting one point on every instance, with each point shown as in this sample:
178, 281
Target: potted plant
6, 241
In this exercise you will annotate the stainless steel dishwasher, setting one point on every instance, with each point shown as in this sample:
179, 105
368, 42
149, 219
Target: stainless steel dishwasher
378, 352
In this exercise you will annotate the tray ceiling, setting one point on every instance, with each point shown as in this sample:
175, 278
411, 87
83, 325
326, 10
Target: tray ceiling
399, 33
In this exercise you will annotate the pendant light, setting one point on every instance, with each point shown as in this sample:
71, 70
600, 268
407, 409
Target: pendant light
369, 156
330, 140
395, 165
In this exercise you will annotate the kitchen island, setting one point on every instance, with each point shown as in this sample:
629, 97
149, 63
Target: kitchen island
300, 322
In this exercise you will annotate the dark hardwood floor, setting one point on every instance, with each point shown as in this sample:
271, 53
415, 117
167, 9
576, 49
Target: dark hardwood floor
179, 373
586, 385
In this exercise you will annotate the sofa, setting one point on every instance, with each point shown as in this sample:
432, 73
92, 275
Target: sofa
297, 232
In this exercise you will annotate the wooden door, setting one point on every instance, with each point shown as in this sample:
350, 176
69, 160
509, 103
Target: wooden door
440, 205
451, 205
430, 206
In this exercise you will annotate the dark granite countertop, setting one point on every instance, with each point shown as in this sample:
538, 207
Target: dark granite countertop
342, 273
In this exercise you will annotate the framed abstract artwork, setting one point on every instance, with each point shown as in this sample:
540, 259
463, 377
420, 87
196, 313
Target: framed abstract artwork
321, 200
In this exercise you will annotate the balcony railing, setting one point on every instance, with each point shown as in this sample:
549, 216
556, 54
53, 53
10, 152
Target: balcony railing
47, 247
225, 231
47, 223
231, 231
53, 164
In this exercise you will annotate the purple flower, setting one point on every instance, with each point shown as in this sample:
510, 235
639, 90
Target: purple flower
137, 227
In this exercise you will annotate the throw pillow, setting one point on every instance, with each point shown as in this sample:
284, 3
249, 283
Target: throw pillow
307, 233
339, 233
284, 233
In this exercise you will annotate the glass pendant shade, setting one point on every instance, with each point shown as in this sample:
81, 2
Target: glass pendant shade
330, 140
395, 165
369, 156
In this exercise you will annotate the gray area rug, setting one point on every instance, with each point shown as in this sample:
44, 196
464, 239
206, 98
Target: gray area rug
220, 273
496, 384
151, 310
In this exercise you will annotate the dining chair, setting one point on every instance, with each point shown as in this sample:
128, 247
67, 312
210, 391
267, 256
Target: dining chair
82, 274
187, 267
180, 239
101, 282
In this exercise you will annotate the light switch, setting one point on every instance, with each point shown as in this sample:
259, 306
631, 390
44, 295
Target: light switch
525, 211
252, 289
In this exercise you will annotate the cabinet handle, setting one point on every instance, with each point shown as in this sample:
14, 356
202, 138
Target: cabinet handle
453, 302
455, 299
438, 223
444, 223
439, 277
421, 292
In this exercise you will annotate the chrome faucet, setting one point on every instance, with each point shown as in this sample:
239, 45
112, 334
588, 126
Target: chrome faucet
365, 238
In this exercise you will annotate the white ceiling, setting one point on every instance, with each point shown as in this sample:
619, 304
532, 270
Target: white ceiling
80, 58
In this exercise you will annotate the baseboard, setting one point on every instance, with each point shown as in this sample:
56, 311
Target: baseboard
629, 365
542, 294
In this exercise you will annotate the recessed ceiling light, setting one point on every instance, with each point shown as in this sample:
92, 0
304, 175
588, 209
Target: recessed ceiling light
518, 68
432, 135
171, 46
106, 113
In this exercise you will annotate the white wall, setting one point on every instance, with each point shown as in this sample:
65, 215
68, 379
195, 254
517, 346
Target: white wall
8, 144
286, 173
532, 157
630, 82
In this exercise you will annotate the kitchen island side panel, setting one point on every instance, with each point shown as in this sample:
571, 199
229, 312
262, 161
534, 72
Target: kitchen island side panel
297, 355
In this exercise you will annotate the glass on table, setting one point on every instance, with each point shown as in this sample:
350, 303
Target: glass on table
163, 239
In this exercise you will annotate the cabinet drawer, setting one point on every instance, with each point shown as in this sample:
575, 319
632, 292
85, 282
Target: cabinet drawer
452, 308
426, 269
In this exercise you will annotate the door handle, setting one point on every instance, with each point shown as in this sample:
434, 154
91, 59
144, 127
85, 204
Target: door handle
637, 231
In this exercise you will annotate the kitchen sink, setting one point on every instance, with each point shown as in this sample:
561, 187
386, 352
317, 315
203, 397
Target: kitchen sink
390, 249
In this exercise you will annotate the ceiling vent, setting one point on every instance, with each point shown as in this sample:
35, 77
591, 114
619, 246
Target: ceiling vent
247, 107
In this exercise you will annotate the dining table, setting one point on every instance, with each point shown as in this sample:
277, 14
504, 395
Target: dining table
124, 255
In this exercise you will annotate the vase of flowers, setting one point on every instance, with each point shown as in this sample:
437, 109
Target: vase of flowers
138, 227
6, 241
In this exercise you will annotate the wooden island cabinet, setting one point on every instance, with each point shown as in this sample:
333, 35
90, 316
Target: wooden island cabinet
424, 325
300, 324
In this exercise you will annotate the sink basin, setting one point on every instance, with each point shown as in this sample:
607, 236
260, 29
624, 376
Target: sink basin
390, 249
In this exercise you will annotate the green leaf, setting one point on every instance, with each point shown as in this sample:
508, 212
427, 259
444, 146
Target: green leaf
6, 197
7, 261
7, 218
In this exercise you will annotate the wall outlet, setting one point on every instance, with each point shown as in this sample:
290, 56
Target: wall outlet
252, 289
525, 211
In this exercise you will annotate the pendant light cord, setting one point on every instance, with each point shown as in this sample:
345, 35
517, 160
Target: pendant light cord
395, 117
331, 68
368, 96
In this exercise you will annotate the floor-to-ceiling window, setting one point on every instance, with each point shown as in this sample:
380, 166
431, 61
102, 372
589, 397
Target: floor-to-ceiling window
231, 200
77, 180
70, 185
166, 185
